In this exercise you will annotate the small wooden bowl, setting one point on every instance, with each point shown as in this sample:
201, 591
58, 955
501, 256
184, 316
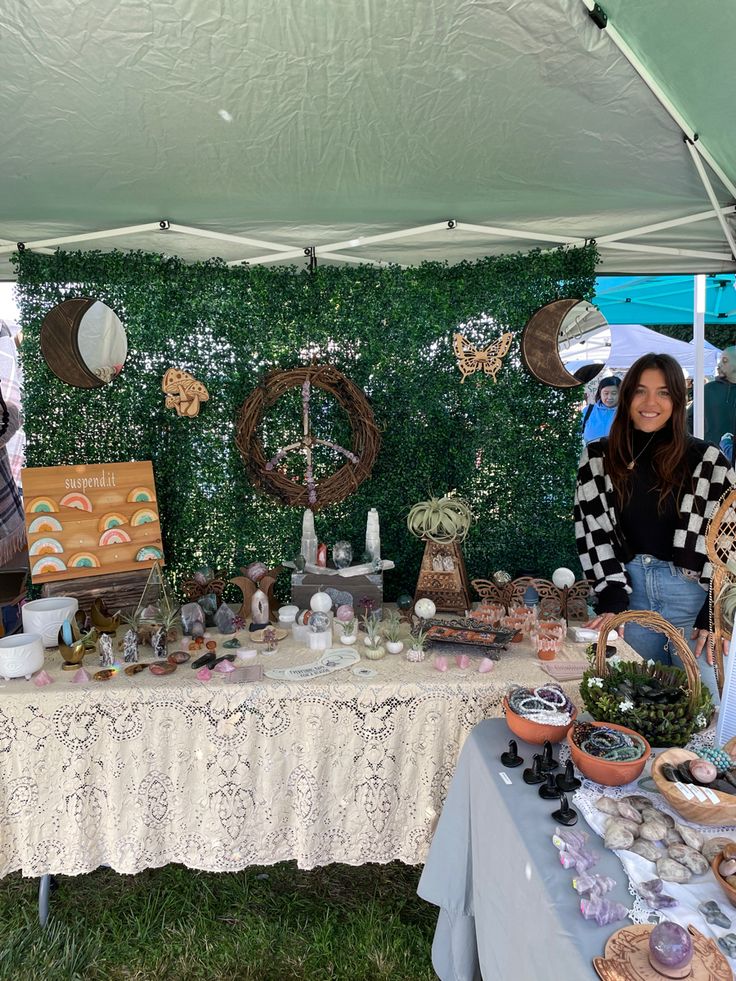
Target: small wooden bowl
728, 890
533, 732
609, 772
718, 815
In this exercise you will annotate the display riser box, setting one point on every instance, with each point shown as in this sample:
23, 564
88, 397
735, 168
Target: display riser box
305, 584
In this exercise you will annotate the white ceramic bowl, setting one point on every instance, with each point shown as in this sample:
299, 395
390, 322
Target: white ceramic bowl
45, 617
20, 655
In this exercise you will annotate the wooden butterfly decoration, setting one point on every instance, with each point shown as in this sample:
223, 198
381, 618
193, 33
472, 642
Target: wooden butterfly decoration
507, 594
570, 602
488, 359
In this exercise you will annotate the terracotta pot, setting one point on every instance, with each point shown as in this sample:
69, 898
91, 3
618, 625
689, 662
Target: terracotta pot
608, 772
546, 652
532, 732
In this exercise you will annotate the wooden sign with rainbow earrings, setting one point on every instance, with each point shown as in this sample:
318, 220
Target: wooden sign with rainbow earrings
91, 520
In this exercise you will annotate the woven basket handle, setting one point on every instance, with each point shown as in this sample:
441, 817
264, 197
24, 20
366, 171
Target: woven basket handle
653, 621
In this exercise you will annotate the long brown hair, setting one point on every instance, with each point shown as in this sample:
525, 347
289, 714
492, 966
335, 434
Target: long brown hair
669, 457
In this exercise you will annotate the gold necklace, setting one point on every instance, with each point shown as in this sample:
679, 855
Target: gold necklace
630, 466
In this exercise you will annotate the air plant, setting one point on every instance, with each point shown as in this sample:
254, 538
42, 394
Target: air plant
443, 520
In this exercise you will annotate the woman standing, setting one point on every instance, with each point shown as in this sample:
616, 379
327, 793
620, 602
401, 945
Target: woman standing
598, 417
642, 503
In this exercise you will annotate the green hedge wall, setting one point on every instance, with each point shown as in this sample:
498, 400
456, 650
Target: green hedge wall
510, 448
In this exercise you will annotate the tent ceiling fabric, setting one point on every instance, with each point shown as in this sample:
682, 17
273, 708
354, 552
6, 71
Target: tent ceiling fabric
312, 124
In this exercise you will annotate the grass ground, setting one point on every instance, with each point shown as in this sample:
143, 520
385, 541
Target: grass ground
264, 924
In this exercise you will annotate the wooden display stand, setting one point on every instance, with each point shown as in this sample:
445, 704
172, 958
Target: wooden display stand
119, 592
447, 589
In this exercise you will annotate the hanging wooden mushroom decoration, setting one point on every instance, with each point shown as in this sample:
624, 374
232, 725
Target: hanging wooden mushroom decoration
183, 392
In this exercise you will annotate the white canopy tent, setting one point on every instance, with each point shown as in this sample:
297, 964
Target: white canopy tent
371, 132
619, 346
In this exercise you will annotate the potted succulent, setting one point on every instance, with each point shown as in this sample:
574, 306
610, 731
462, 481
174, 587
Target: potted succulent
163, 623
652, 699
417, 646
391, 631
348, 630
374, 650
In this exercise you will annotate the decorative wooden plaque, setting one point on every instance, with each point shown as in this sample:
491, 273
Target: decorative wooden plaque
90, 520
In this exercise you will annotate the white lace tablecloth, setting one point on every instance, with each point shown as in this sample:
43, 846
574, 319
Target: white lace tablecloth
141, 771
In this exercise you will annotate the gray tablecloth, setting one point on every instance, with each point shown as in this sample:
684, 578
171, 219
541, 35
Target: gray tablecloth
507, 907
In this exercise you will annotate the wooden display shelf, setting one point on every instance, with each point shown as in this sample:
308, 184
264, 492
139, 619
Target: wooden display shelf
448, 589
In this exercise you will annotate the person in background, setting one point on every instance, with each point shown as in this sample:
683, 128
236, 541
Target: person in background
642, 503
719, 400
598, 417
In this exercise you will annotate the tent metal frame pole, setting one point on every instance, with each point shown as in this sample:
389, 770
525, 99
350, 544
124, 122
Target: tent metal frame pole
665, 250
529, 236
89, 236
256, 243
330, 248
711, 194
698, 343
666, 103
729, 209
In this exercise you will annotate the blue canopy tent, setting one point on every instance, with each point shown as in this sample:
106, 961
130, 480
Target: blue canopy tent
700, 299
664, 299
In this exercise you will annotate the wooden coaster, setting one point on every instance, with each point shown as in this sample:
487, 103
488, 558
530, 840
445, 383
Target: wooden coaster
627, 957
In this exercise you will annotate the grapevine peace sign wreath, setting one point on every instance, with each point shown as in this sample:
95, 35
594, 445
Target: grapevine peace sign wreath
359, 460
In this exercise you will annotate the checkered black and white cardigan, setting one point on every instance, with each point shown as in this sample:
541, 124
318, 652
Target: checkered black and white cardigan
602, 550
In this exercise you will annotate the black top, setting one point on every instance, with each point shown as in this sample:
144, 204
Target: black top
648, 527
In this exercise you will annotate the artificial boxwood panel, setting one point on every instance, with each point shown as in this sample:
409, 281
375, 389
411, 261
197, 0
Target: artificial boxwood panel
510, 448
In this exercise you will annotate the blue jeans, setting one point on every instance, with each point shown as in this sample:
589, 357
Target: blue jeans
662, 588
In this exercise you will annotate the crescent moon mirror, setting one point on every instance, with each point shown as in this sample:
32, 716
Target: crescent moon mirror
84, 342
566, 343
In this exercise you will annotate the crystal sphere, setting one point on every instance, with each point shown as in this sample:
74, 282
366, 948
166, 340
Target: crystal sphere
501, 577
670, 946
344, 613
319, 623
425, 608
404, 602
342, 554
563, 577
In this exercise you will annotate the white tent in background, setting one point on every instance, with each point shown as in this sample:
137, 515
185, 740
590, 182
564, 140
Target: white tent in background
630, 341
618, 346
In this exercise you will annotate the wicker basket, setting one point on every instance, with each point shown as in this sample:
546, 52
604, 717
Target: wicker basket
722, 814
653, 621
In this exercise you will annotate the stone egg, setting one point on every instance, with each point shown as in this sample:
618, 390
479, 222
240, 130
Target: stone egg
703, 771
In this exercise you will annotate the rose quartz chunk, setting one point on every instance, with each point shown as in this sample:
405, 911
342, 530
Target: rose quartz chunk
440, 662
462, 660
204, 674
486, 665
225, 667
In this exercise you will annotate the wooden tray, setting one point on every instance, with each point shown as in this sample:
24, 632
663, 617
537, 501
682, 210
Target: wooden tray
713, 815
